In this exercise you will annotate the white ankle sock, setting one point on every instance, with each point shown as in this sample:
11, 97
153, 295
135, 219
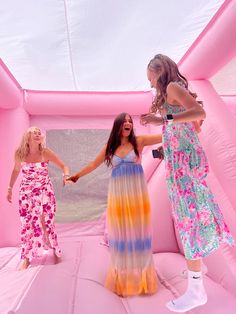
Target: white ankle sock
194, 296
184, 273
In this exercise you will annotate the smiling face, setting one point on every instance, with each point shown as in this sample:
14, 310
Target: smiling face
36, 137
127, 126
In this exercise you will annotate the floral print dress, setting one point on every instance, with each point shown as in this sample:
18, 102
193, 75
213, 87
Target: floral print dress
197, 216
37, 208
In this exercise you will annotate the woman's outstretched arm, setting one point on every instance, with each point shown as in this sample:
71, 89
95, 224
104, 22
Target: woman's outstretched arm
89, 167
149, 139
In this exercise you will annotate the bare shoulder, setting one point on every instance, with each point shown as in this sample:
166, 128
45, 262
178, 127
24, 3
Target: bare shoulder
47, 153
17, 163
176, 93
139, 139
46, 150
175, 87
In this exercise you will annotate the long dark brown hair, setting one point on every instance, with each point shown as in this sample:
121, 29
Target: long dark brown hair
114, 140
169, 73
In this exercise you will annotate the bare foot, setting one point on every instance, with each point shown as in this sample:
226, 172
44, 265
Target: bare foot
24, 264
104, 241
56, 258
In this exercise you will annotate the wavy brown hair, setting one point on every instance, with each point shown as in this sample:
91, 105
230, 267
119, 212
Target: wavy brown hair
169, 73
114, 140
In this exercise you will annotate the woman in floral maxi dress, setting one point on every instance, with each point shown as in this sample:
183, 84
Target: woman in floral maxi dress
197, 216
37, 205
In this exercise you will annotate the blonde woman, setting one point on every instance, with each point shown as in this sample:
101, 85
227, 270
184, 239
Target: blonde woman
37, 204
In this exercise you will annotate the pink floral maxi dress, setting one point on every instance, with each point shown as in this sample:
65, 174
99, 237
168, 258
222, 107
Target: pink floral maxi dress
197, 216
37, 208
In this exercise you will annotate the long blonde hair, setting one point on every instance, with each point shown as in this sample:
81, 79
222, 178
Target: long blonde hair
23, 150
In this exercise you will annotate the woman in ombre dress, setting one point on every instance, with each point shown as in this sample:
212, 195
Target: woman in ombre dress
132, 269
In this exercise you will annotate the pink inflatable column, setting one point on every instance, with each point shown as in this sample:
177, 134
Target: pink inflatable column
218, 137
13, 121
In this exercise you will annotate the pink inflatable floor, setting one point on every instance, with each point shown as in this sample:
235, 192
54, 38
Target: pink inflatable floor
76, 284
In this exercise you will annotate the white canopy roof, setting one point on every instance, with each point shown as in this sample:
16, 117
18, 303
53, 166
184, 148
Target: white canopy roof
96, 45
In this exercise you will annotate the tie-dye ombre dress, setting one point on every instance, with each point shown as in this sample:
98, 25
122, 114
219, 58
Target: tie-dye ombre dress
132, 269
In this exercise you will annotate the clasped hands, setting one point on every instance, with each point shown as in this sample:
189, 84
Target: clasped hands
144, 120
68, 179
73, 179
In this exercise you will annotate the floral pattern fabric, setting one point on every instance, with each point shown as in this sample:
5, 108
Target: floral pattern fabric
197, 216
37, 208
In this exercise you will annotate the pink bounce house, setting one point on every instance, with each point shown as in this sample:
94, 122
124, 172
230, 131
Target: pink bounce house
76, 284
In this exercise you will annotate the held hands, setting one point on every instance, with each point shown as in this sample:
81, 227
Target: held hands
66, 179
147, 118
72, 179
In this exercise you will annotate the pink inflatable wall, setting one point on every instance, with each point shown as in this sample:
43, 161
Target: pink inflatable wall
21, 108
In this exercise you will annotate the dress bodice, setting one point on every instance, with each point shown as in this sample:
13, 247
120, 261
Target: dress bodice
170, 109
35, 172
130, 157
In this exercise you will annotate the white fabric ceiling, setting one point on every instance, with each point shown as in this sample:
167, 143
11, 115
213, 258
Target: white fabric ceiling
95, 45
